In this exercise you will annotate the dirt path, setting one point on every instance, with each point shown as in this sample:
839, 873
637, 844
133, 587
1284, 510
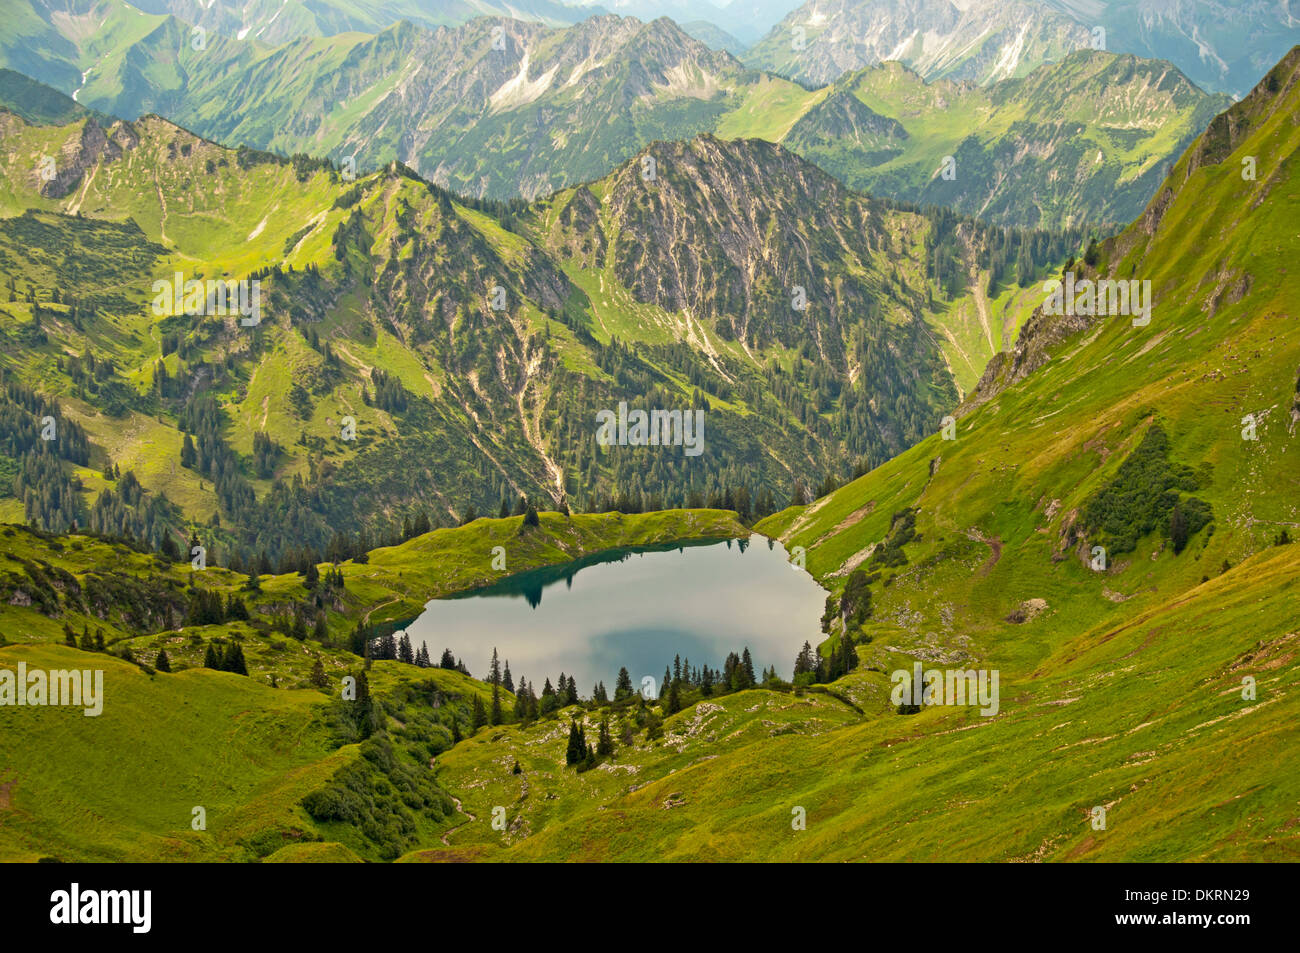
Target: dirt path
854, 517
365, 620
452, 830
804, 518
982, 306
353, 359
993, 543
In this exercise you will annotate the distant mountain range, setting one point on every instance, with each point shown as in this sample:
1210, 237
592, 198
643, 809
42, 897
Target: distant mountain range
275, 21
1083, 141
1222, 45
521, 109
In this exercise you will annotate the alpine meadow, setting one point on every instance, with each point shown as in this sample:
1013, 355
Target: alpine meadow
652, 432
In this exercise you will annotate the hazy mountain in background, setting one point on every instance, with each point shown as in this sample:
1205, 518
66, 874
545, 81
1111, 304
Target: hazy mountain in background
276, 21
492, 107
746, 20
1222, 46
714, 37
1085, 141
978, 40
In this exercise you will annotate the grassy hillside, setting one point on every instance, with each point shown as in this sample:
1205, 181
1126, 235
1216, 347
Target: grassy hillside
248, 749
73, 785
1125, 717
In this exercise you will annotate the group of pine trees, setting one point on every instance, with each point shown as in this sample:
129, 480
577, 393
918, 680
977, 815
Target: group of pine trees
229, 658
581, 754
206, 607
681, 682
204, 450
387, 647
810, 667
36, 437
86, 643
526, 510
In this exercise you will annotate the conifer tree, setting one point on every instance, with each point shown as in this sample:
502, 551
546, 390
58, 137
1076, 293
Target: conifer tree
605, 742
162, 663
522, 710
623, 687
548, 697
674, 704
576, 749
233, 660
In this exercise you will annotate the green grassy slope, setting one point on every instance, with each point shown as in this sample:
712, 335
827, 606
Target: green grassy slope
1144, 719
73, 785
247, 749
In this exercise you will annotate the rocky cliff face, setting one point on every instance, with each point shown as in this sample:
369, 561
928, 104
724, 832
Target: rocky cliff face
735, 232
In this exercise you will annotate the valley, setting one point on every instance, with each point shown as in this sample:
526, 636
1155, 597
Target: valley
463, 439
